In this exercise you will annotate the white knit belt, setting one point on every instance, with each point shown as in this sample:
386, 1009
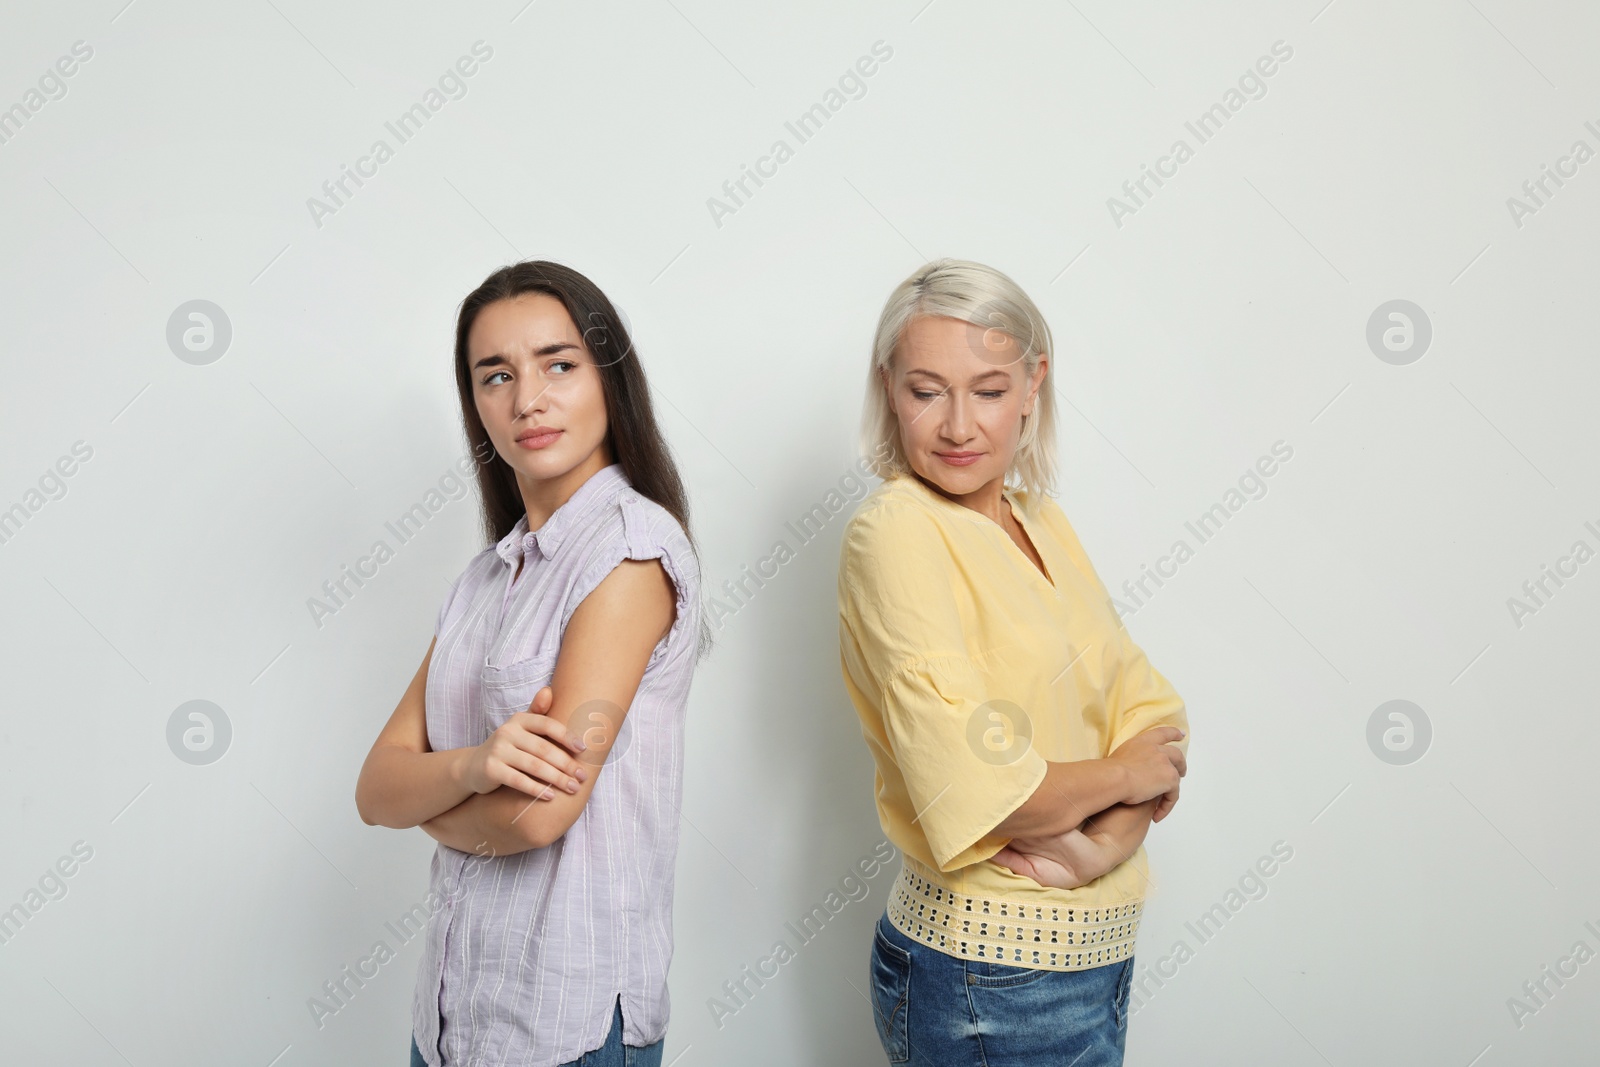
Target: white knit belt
1054, 937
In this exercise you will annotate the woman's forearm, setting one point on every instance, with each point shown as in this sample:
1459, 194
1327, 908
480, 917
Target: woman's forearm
1069, 794
401, 788
497, 823
1080, 855
1122, 826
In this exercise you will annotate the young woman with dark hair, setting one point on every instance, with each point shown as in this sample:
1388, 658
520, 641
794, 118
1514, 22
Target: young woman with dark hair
541, 740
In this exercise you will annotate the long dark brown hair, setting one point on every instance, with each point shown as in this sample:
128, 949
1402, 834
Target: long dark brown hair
631, 429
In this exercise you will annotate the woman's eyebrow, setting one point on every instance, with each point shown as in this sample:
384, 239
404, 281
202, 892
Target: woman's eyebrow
550, 349
976, 378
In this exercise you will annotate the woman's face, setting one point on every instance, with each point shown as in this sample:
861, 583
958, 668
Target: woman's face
536, 386
960, 392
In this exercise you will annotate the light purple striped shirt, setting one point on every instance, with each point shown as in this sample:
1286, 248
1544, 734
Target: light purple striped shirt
525, 955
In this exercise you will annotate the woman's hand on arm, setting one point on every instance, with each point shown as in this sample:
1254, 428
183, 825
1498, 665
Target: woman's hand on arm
485, 823
1079, 856
1144, 752
404, 783
491, 819
604, 649
529, 752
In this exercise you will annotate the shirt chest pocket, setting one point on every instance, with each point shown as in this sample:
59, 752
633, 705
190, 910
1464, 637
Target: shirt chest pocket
511, 688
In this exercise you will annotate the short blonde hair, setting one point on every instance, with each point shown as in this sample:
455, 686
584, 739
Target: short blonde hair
985, 297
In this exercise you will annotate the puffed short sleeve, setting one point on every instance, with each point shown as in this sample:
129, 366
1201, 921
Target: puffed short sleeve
901, 609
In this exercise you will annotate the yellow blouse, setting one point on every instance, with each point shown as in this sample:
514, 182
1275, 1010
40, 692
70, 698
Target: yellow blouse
969, 668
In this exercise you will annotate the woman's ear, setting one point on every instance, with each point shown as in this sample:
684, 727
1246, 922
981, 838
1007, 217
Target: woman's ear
1036, 380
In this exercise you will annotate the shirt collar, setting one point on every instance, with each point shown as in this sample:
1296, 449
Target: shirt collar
602, 486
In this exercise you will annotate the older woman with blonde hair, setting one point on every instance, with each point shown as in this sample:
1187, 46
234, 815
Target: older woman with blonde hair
1023, 742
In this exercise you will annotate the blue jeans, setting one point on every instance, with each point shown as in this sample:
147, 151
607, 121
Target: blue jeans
936, 1010
612, 1054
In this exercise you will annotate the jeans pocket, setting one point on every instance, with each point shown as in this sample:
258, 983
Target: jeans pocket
645, 1056
1124, 985
891, 990
993, 974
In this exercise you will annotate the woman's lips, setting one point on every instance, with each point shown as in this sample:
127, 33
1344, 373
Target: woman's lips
956, 460
539, 440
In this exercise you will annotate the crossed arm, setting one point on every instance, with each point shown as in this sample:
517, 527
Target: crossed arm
1088, 816
498, 797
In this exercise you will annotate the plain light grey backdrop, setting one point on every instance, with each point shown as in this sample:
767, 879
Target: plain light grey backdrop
1440, 900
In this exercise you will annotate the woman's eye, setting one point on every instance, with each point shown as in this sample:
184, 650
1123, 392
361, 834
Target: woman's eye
563, 363
987, 394
490, 379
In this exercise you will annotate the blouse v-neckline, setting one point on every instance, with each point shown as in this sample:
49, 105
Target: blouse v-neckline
1041, 569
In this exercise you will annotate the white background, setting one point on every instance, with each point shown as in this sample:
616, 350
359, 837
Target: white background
1229, 312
